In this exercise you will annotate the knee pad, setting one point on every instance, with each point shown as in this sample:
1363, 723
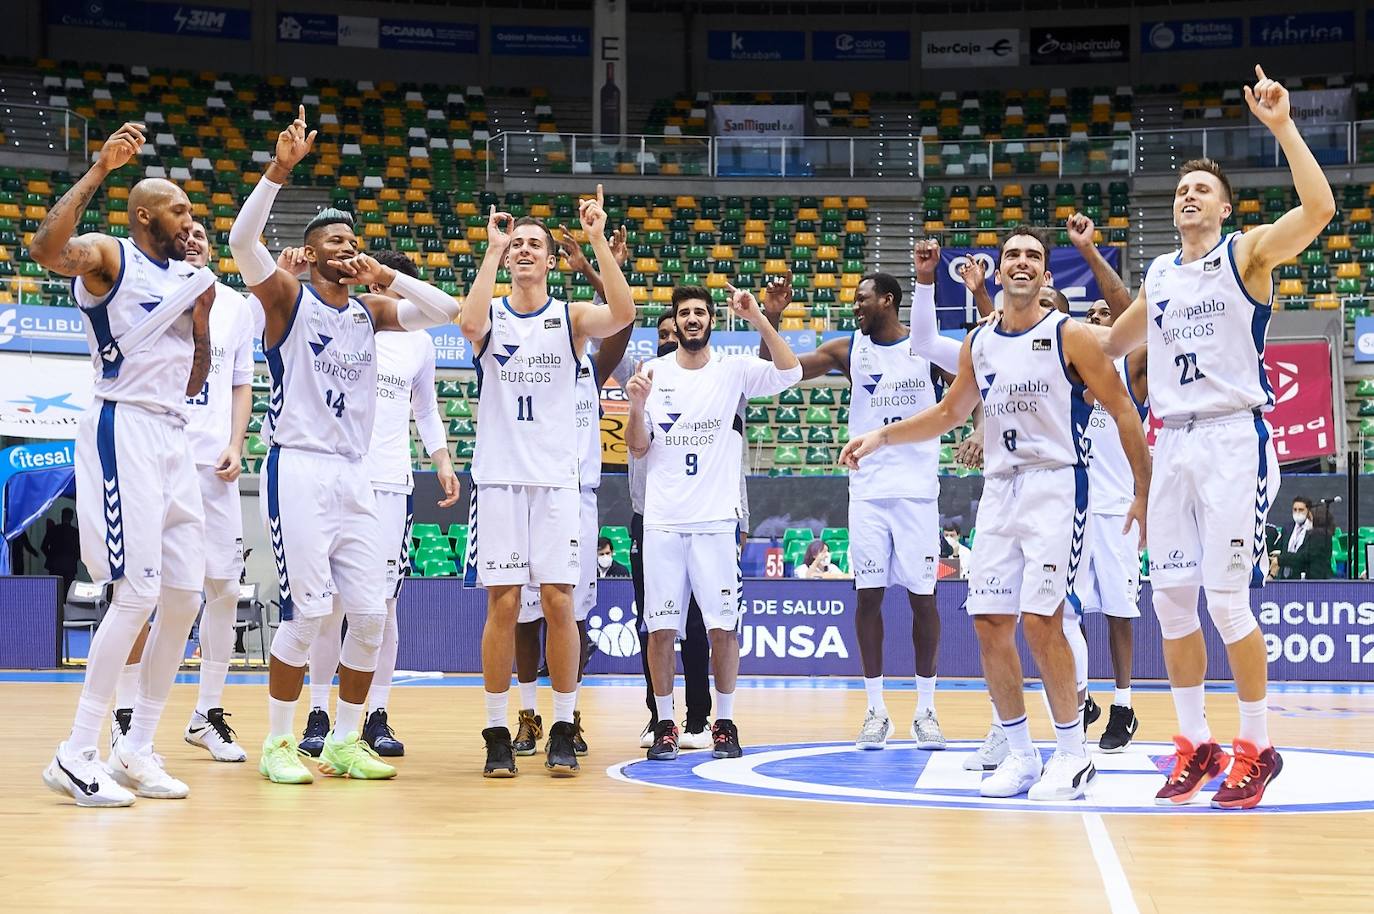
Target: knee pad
363, 641
217, 589
127, 600
1231, 614
292, 644
1176, 609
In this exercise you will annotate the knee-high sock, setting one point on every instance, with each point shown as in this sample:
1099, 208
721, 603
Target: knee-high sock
324, 658
161, 659
380, 693
1078, 646
216, 640
109, 649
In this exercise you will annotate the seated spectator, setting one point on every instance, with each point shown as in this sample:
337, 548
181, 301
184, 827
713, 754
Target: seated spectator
952, 547
817, 565
1306, 553
606, 565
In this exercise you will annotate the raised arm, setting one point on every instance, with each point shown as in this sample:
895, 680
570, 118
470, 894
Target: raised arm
600, 321
926, 340
420, 306
578, 261
636, 428
1127, 333
1259, 251
1109, 282
832, 355
94, 257
1085, 356
974, 276
475, 318
950, 412
746, 306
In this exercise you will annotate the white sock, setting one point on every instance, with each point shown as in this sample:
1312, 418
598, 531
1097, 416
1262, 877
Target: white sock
1068, 737
319, 693
664, 704
996, 721
348, 718
497, 703
379, 694
1122, 697
162, 658
725, 705
563, 705
281, 718
126, 690
90, 717
873, 687
109, 650
1254, 722
212, 676
1192, 714
1078, 646
527, 694
1018, 736
324, 658
143, 725
925, 694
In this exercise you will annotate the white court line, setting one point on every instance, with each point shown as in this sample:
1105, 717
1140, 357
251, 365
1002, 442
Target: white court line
1119, 894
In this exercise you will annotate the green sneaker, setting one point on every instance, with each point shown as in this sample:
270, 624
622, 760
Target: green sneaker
281, 763
353, 758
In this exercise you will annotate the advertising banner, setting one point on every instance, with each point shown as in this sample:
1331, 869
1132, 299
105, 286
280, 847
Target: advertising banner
31, 328
860, 46
371, 32
1300, 376
1072, 276
45, 395
1322, 106
540, 41
1302, 28
1077, 44
609, 73
182, 20
758, 120
644, 342
1364, 339
755, 46
970, 48
1191, 35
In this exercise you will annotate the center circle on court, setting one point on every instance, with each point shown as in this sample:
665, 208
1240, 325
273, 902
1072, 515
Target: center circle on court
1313, 780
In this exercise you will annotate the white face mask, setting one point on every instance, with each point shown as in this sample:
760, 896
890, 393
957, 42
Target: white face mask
951, 538
1299, 519
604, 561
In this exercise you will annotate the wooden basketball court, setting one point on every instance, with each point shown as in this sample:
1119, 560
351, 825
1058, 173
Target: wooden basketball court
440, 837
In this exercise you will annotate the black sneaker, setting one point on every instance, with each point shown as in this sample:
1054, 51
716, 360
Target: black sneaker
1121, 726
1091, 712
500, 758
316, 729
529, 730
378, 734
561, 758
579, 744
727, 740
664, 748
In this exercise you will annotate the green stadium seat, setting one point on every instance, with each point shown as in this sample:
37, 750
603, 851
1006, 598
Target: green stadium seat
786, 454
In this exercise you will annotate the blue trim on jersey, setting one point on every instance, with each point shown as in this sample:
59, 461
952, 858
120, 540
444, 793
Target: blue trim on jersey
109, 477
1258, 562
470, 556
366, 310
1259, 325
1142, 408
505, 300
572, 343
1235, 271
98, 316
273, 471
1080, 525
997, 327
893, 343
1178, 258
313, 292
403, 566
160, 264
290, 323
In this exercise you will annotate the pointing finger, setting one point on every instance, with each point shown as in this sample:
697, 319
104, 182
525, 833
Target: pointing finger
1259, 71
600, 196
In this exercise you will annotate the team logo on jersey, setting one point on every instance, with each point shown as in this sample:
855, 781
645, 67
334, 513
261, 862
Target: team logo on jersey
1040, 345
988, 378
150, 305
872, 387
1162, 305
321, 344
502, 359
672, 420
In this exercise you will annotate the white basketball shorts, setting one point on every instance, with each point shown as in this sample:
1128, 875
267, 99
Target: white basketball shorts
223, 526
1029, 539
395, 514
1109, 580
321, 519
894, 541
137, 501
584, 592
679, 565
524, 535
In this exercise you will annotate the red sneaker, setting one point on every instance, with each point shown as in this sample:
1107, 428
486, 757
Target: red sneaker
1194, 766
1251, 773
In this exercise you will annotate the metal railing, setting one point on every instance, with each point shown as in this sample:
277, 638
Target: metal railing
44, 128
904, 157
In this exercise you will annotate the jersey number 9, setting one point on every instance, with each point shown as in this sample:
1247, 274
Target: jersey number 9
691, 464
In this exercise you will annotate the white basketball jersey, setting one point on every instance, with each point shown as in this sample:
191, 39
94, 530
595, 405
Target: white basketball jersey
155, 378
210, 412
526, 405
890, 383
403, 361
324, 379
1034, 417
1111, 484
589, 424
1206, 336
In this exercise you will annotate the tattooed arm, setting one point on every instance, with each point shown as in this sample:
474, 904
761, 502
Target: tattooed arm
200, 336
94, 257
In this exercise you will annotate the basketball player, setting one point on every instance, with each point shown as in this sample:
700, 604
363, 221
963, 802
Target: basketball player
1204, 310
1030, 367
593, 368
684, 417
405, 386
892, 499
525, 467
319, 508
147, 322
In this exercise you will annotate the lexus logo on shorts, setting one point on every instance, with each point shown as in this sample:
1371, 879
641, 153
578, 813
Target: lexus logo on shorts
994, 580
515, 556
1176, 554
667, 604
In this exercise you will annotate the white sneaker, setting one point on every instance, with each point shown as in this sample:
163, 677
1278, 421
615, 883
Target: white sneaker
701, 739
646, 739
925, 729
142, 772
876, 729
1013, 777
989, 755
83, 778
1066, 777
120, 719
211, 733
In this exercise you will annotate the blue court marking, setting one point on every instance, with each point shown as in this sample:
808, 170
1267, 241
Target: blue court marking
816, 683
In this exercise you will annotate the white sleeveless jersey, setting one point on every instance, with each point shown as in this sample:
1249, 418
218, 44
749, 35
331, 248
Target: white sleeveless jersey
890, 383
324, 379
155, 378
1034, 417
405, 369
526, 405
1111, 484
1206, 336
589, 424
210, 412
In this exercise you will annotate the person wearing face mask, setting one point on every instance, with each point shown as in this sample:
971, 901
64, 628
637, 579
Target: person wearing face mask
816, 565
1306, 551
951, 547
606, 565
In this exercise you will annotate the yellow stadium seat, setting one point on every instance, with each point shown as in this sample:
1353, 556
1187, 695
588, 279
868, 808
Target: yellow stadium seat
377, 230
722, 252
959, 215
824, 281
857, 203
397, 217
637, 212
639, 294
934, 225
1011, 190
1250, 205
716, 281
703, 225
1338, 243
758, 239
119, 217
662, 212
437, 259
832, 203
775, 266
646, 265
227, 265
856, 225
847, 295
1362, 214
1348, 271
477, 233
804, 239
685, 202
755, 225
850, 281
1326, 302
1292, 287
985, 240
662, 294
808, 212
